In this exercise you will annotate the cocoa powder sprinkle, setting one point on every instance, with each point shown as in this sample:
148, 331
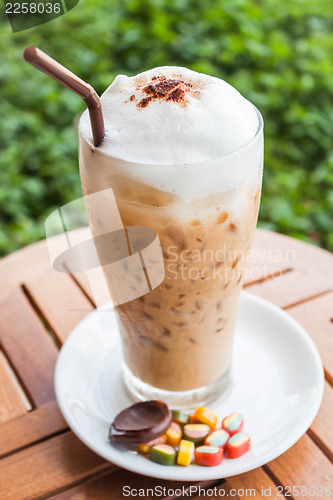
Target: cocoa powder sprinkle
144, 102
167, 89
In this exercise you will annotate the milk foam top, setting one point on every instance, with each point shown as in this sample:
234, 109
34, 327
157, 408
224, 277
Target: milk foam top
174, 129
172, 115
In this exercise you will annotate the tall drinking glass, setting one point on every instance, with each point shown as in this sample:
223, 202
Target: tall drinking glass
177, 339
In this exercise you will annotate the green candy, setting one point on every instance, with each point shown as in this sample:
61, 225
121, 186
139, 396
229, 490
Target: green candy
163, 454
196, 433
180, 417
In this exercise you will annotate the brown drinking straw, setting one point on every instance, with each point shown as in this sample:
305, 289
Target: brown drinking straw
45, 63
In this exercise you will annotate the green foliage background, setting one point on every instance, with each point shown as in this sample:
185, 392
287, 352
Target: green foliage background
277, 54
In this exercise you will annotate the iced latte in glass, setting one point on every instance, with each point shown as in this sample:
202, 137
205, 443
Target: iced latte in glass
183, 154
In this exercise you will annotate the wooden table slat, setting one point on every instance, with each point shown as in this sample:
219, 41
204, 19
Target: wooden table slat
223, 490
47, 468
316, 317
29, 348
25, 263
60, 300
33, 426
321, 430
298, 254
256, 480
43, 460
265, 262
303, 465
83, 283
111, 487
289, 288
11, 403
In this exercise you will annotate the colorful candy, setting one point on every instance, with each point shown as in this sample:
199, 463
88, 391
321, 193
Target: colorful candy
145, 447
163, 454
173, 434
185, 453
180, 417
203, 415
186, 439
233, 423
238, 444
196, 433
208, 455
217, 438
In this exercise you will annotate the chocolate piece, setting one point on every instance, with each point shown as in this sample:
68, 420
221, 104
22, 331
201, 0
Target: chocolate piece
140, 423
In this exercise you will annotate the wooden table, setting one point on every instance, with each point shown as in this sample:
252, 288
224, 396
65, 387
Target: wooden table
41, 457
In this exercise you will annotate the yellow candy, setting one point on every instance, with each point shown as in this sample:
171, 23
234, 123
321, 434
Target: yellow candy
186, 452
173, 434
203, 415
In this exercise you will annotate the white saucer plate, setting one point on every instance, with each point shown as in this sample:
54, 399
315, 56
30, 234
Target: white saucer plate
277, 384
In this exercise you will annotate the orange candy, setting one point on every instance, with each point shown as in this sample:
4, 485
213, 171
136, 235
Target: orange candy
173, 434
145, 447
203, 415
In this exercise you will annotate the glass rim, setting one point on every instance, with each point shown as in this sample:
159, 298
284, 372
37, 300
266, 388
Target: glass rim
187, 165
